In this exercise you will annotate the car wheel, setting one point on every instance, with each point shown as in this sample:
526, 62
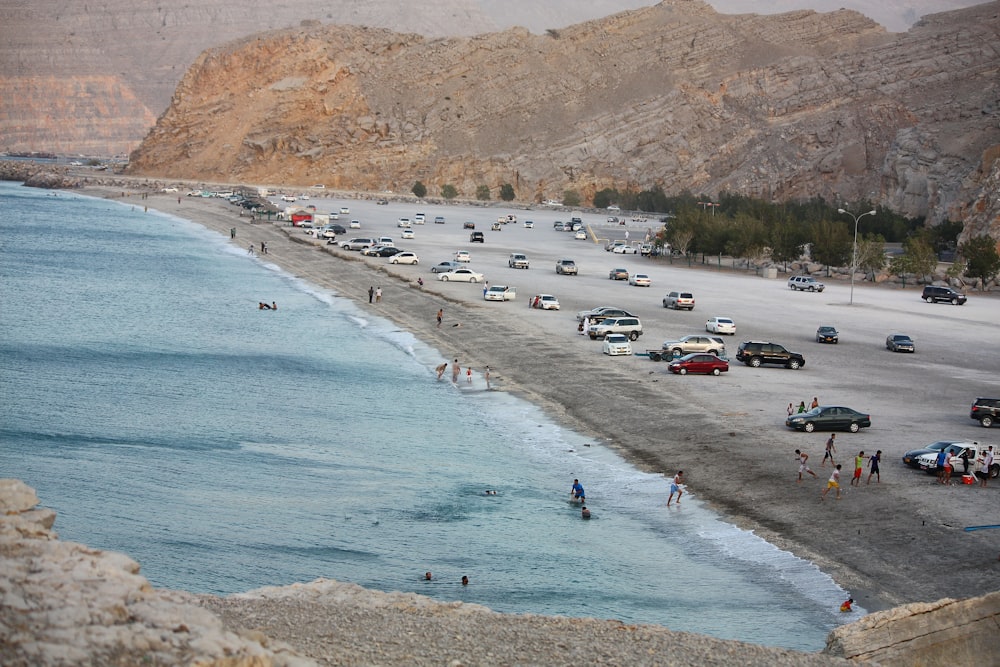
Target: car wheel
683, 371
473, 280
794, 364
665, 304
812, 289
715, 352
677, 352
986, 421
655, 356
954, 302
393, 261
444, 278
809, 427
416, 261
634, 336
755, 362
855, 427
929, 299
995, 470
716, 371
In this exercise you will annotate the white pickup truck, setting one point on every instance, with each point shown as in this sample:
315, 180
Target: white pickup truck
500, 293
928, 461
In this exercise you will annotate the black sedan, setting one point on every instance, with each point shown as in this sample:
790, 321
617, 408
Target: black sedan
382, 251
829, 418
899, 343
827, 335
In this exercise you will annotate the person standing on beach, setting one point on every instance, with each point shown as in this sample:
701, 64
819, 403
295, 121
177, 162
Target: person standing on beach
250, 250
675, 487
947, 468
441, 369
791, 410
830, 449
939, 461
859, 464
832, 483
803, 467
371, 293
455, 370
378, 294
802, 407
440, 316
873, 468
986, 461
486, 376
815, 403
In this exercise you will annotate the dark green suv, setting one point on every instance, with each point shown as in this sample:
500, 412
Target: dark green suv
754, 353
986, 411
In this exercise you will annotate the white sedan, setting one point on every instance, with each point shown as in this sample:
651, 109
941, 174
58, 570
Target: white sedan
406, 234
463, 256
722, 325
581, 235
624, 250
617, 344
545, 302
405, 257
355, 224
462, 275
640, 280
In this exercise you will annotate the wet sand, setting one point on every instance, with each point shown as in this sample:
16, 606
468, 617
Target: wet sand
897, 541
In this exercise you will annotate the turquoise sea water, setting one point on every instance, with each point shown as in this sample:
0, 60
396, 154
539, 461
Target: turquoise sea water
162, 414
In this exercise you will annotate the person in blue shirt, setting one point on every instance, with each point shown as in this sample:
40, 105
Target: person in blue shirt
577, 491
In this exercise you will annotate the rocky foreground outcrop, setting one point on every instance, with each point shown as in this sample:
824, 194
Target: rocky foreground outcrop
675, 96
62, 604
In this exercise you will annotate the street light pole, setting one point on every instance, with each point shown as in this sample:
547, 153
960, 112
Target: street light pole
854, 254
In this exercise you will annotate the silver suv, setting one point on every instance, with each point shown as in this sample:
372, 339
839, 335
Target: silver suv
678, 300
805, 283
688, 344
630, 326
566, 267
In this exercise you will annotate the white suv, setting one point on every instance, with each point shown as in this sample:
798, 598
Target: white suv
805, 283
630, 326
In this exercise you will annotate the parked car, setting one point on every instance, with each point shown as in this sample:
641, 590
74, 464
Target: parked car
806, 284
698, 363
545, 302
624, 249
581, 235
722, 325
355, 224
406, 234
500, 293
928, 461
630, 326
986, 411
640, 280
827, 334
755, 353
935, 294
898, 342
287, 198
444, 267
386, 241
618, 274
678, 300
381, 251
404, 223
357, 244
438, 219
419, 219
468, 225
477, 237
405, 257
566, 267
601, 312
382, 202
528, 224
344, 210
463, 256
462, 275
912, 457
829, 418
517, 260
336, 229
689, 344
617, 344
611, 245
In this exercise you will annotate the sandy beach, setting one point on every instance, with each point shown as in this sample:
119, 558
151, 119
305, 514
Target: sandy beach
885, 542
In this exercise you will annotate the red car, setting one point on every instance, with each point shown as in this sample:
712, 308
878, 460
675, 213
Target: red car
699, 363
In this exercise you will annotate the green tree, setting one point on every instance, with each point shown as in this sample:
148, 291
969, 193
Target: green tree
831, 243
419, 190
747, 237
871, 254
448, 191
605, 198
507, 192
787, 239
571, 198
920, 256
982, 259
483, 192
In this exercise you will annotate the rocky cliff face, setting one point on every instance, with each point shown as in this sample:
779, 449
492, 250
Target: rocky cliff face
675, 96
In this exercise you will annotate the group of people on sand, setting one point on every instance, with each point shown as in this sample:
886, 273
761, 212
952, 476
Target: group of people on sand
792, 410
834, 482
261, 305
